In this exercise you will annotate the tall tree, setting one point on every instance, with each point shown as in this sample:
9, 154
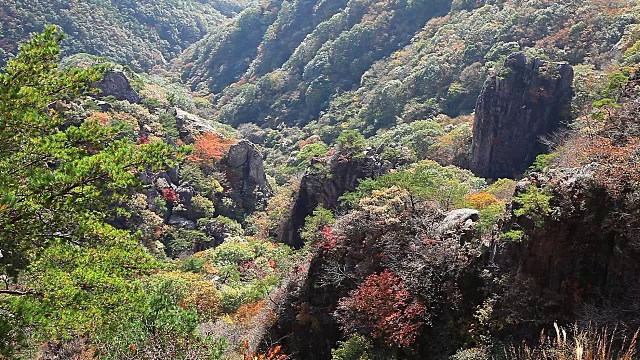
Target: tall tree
65, 269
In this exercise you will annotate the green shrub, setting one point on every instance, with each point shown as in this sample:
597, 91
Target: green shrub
357, 347
512, 236
233, 251
203, 206
534, 204
352, 143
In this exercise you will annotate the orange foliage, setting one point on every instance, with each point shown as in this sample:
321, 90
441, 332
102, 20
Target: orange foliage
203, 297
247, 311
482, 200
618, 168
310, 140
274, 353
209, 148
101, 117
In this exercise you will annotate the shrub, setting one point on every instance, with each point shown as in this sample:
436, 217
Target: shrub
203, 206
209, 148
351, 142
384, 308
534, 204
233, 252
181, 241
585, 344
169, 195
320, 218
482, 200
356, 348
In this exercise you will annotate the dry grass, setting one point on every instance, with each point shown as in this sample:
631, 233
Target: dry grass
585, 344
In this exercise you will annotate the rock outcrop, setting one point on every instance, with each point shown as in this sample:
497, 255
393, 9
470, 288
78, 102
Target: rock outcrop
189, 125
585, 254
245, 173
530, 99
342, 174
115, 83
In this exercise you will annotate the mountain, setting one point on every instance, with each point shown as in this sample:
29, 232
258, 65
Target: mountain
320, 180
141, 34
373, 64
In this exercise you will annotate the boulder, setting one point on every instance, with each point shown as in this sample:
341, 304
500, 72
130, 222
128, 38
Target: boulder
115, 83
460, 223
530, 99
189, 125
245, 174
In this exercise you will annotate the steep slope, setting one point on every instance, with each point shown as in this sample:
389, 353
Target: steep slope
295, 56
375, 64
530, 100
139, 33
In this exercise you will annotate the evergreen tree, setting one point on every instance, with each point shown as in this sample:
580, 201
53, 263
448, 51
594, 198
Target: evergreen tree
65, 269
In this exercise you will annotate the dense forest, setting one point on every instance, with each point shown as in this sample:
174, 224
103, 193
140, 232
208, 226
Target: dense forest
141, 34
313, 179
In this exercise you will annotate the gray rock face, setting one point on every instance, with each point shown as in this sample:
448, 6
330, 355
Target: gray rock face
531, 99
460, 218
321, 188
245, 174
189, 125
116, 84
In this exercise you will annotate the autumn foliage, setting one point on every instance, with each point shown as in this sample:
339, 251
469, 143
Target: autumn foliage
209, 148
618, 164
274, 353
383, 307
170, 195
482, 200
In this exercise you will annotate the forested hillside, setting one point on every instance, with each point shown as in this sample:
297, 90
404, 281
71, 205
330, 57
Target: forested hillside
138, 33
375, 64
320, 180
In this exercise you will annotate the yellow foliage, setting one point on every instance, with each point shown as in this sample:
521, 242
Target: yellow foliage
482, 200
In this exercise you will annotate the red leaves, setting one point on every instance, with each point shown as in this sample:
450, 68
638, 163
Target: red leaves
330, 240
169, 195
385, 307
143, 139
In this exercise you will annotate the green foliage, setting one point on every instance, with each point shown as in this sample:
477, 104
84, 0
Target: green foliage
351, 142
311, 151
163, 325
490, 215
247, 269
362, 66
544, 161
314, 223
60, 184
203, 206
139, 33
357, 347
232, 297
448, 186
233, 252
534, 205
181, 241
513, 236
417, 136
206, 185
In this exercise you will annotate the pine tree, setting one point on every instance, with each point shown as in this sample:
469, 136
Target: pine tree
65, 269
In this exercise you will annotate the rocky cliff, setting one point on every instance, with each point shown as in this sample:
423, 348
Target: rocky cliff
339, 175
528, 100
116, 84
584, 260
245, 172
